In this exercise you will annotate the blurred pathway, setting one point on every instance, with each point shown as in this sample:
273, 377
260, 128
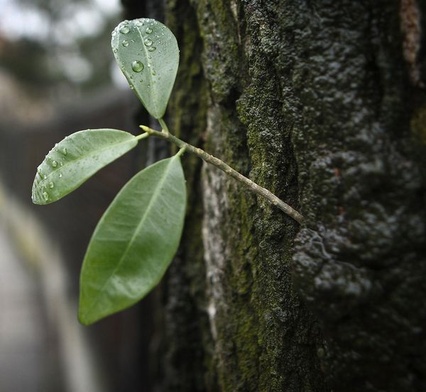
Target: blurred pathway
23, 337
43, 348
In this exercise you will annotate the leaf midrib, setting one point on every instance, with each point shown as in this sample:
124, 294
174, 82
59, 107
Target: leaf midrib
78, 159
149, 66
130, 243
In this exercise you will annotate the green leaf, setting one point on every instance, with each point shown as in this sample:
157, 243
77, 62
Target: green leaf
75, 159
148, 55
134, 242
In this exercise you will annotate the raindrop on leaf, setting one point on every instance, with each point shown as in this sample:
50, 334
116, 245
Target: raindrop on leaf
137, 66
124, 29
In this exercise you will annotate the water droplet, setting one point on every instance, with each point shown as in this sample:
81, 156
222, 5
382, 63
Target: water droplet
51, 185
54, 163
45, 196
153, 73
60, 175
138, 23
147, 42
151, 48
124, 29
148, 30
125, 43
137, 66
64, 151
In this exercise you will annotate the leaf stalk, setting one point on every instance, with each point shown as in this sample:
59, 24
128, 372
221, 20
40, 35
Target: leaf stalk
251, 185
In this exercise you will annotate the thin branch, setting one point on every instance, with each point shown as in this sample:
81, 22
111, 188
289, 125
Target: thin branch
142, 136
252, 186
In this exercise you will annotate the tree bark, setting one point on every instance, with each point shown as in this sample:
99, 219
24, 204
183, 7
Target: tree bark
323, 103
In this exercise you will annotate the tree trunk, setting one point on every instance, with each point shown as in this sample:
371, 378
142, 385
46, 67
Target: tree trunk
323, 103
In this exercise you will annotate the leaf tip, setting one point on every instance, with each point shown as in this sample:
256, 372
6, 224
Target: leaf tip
40, 197
84, 318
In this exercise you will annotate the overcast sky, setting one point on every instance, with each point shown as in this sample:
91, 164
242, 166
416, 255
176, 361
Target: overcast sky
78, 20
17, 21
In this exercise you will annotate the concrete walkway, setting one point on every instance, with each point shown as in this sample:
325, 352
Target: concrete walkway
23, 337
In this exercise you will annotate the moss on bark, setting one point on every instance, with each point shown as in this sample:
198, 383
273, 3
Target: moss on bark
258, 322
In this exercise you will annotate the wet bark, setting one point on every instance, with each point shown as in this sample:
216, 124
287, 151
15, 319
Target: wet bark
323, 103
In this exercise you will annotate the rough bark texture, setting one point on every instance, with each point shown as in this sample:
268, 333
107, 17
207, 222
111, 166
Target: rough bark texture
321, 102
360, 260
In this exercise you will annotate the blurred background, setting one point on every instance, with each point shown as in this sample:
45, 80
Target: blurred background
58, 76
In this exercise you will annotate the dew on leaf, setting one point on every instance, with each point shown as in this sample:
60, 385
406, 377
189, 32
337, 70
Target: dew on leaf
151, 48
147, 42
137, 66
45, 196
148, 30
125, 43
124, 29
54, 163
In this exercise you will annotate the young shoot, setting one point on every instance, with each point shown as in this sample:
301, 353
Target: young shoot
139, 234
